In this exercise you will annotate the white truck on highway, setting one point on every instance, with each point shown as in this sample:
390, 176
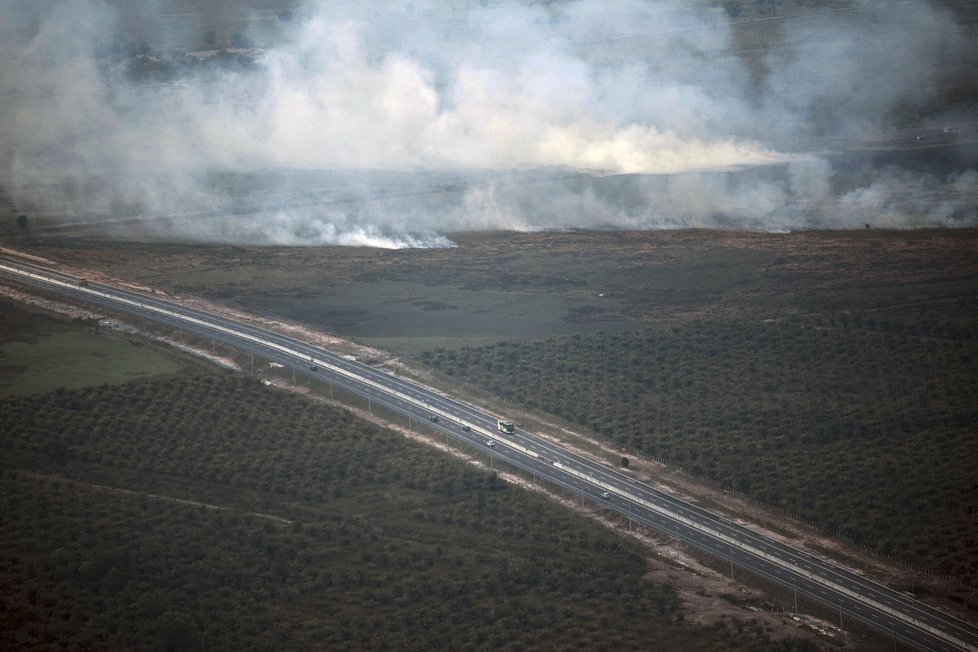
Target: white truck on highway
504, 426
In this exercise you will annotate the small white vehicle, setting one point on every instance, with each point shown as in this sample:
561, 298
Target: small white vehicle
605, 495
490, 443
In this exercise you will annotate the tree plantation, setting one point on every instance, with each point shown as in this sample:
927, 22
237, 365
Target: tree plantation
864, 424
213, 512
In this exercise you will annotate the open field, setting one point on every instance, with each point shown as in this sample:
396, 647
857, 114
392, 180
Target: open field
41, 353
507, 286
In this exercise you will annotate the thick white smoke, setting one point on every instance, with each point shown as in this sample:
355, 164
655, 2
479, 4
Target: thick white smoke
394, 123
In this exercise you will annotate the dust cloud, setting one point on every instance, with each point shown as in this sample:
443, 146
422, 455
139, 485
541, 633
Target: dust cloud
395, 124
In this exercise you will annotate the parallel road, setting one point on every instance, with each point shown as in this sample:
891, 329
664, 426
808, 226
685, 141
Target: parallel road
851, 595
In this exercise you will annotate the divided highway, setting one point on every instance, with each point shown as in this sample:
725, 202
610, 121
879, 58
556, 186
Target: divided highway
852, 595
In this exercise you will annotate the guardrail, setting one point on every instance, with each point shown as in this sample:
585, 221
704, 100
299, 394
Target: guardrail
757, 552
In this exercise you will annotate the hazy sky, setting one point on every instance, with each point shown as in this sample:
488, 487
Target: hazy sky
509, 114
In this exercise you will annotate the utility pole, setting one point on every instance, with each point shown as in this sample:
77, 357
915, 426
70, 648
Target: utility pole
794, 583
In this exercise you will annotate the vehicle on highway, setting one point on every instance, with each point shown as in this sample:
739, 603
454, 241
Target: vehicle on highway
605, 495
83, 282
313, 367
465, 428
433, 418
490, 443
504, 426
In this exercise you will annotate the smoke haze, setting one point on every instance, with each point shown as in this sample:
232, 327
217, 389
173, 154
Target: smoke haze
395, 123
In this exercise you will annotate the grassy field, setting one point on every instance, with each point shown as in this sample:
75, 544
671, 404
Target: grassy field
41, 353
507, 286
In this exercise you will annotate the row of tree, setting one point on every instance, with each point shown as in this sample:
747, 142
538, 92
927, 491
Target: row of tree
300, 527
863, 425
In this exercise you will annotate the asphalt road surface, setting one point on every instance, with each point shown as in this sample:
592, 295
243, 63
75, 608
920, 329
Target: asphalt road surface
851, 595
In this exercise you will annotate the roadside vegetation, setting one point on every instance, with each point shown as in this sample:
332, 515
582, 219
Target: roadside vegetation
214, 512
522, 287
864, 424
39, 353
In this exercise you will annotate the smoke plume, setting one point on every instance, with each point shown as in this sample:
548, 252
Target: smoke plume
396, 123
